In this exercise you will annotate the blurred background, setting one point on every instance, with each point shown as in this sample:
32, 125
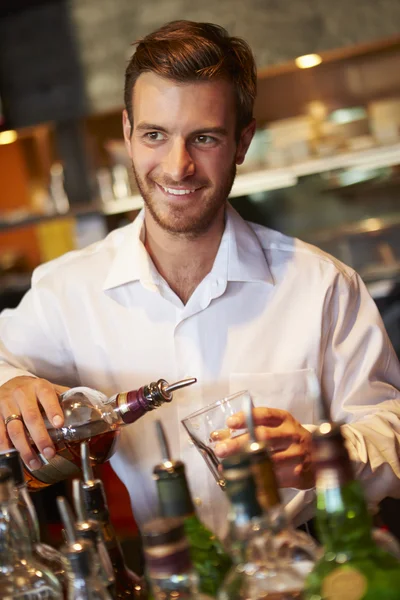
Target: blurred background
324, 164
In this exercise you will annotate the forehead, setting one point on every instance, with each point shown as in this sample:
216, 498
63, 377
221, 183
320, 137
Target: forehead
198, 103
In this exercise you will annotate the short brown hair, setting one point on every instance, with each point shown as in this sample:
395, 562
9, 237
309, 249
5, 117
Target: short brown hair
187, 51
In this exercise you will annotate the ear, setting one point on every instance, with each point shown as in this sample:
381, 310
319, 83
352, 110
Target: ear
127, 129
246, 135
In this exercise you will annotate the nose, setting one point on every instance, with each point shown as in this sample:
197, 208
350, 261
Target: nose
178, 163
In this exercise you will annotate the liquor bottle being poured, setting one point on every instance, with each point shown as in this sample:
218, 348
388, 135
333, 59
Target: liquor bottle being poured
89, 415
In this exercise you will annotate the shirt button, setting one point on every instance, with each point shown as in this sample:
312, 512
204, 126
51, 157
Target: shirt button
198, 501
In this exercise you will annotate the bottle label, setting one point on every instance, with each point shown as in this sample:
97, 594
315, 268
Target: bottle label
344, 583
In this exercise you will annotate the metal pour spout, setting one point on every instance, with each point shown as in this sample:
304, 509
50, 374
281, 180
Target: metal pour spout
169, 388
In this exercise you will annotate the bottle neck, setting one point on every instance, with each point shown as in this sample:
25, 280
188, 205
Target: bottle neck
174, 496
130, 406
265, 480
28, 513
343, 520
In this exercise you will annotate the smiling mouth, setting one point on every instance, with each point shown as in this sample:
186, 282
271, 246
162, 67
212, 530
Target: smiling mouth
177, 191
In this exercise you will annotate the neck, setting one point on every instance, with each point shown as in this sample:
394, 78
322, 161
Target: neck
343, 520
183, 260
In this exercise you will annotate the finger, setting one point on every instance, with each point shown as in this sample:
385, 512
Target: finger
46, 394
293, 455
17, 435
5, 443
273, 417
60, 389
278, 437
29, 409
231, 446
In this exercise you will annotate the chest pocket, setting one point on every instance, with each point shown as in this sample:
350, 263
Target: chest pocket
286, 390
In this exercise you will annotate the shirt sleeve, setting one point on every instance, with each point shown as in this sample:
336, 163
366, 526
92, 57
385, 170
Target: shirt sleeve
361, 377
33, 338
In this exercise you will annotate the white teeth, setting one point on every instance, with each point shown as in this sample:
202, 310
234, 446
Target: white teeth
177, 192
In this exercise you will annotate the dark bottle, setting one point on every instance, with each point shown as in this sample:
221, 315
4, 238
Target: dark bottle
127, 583
351, 561
208, 555
90, 416
89, 529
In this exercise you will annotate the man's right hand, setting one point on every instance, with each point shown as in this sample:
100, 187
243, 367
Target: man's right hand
22, 396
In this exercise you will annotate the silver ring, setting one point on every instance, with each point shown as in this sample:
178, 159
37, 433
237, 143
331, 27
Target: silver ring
12, 418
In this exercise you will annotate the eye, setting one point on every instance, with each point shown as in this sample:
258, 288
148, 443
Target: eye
154, 136
205, 140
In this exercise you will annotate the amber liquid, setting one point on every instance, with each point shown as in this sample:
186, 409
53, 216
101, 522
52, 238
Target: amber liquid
101, 446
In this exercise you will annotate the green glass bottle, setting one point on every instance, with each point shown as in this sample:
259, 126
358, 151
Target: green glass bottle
209, 558
352, 566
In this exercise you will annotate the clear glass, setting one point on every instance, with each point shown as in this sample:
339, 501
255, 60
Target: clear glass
207, 427
32, 579
183, 586
88, 588
258, 573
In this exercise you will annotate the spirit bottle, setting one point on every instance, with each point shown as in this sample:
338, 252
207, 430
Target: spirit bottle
128, 584
351, 559
168, 563
81, 560
29, 578
258, 573
89, 529
208, 555
295, 547
90, 416
45, 554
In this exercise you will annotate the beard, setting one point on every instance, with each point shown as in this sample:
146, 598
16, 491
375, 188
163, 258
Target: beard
177, 220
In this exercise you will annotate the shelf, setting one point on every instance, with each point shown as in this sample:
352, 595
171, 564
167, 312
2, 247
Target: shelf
245, 183
271, 179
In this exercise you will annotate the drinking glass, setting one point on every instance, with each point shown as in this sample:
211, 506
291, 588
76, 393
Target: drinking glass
207, 427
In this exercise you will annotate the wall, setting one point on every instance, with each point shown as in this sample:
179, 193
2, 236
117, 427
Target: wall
278, 30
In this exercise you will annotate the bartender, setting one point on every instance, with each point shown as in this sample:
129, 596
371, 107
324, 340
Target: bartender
191, 289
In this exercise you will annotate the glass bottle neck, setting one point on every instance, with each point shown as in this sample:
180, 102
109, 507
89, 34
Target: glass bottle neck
343, 520
174, 496
28, 513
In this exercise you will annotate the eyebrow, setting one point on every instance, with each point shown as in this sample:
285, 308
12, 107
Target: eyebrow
152, 126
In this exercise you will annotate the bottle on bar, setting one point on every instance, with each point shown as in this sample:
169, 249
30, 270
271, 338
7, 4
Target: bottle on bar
44, 553
128, 584
208, 555
258, 572
30, 578
89, 529
90, 416
352, 562
81, 561
168, 563
295, 547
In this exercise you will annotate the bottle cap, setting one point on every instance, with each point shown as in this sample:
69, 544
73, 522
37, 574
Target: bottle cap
12, 460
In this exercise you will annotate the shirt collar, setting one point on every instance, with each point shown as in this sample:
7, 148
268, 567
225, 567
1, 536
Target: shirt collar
240, 256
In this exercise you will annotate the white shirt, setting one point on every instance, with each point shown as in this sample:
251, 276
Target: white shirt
271, 309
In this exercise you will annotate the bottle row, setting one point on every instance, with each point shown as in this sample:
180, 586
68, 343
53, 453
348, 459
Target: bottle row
264, 556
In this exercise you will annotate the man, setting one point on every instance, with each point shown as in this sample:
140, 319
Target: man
190, 289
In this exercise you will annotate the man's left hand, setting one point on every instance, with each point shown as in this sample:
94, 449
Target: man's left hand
288, 441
